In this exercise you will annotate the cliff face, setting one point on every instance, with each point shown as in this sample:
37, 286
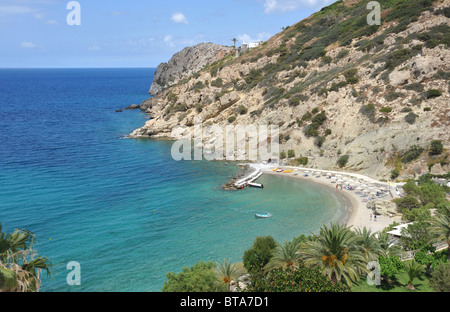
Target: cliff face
335, 86
185, 63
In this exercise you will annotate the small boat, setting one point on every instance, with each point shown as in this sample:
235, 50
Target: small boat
263, 215
255, 185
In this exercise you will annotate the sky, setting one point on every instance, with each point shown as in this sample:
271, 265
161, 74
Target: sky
133, 33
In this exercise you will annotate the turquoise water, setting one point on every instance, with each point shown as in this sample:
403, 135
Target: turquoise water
123, 208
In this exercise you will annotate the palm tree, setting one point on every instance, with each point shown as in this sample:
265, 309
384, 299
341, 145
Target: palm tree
20, 264
234, 41
227, 272
369, 244
413, 269
440, 226
388, 249
336, 252
285, 256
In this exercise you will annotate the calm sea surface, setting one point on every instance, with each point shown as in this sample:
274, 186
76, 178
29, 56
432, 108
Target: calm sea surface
123, 208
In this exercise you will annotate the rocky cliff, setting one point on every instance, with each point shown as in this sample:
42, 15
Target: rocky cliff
336, 86
186, 63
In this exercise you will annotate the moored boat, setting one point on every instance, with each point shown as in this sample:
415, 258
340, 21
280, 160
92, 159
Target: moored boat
268, 215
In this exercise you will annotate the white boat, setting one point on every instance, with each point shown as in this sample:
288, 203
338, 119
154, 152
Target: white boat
263, 215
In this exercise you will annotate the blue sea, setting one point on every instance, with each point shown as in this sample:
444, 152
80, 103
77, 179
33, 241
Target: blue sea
122, 208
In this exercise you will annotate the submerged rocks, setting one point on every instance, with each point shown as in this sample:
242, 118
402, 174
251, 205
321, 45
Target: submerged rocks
229, 186
133, 106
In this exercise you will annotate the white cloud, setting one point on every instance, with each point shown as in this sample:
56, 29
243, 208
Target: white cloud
6, 10
51, 22
94, 47
27, 45
179, 18
168, 39
245, 38
116, 13
283, 6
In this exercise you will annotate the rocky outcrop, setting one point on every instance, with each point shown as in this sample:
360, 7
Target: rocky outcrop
187, 62
383, 207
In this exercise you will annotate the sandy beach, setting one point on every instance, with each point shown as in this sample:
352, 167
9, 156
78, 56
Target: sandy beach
358, 216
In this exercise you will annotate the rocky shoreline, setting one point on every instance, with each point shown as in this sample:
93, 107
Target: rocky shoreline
245, 171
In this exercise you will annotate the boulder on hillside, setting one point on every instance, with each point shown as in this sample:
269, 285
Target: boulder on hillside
383, 207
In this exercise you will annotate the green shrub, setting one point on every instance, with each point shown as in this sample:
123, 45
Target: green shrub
440, 278
386, 109
394, 174
198, 86
410, 118
368, 111
232, 119
436, 147
319, 141
336, 86
213, 71
171, 97
302, 161
294, 101
326, 59
291, 153
256, 257
217, 83
342, 54
301, 279
311, 131
413, 153
312, 53
254, 77
427, 109
350, 73
200, 277
180, 108
433, 93
398, 57
307, 116
416, 86
283, 155
242, 110
391, 95
322, 91
343, 160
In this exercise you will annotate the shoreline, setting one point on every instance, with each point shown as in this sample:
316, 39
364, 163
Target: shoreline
355, 213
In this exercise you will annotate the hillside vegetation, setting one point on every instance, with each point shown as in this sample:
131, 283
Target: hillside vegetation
337, 87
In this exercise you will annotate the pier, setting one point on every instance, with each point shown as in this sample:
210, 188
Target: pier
249, 180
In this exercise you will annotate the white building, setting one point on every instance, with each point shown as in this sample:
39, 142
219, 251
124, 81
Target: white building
251, 45
397, 230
